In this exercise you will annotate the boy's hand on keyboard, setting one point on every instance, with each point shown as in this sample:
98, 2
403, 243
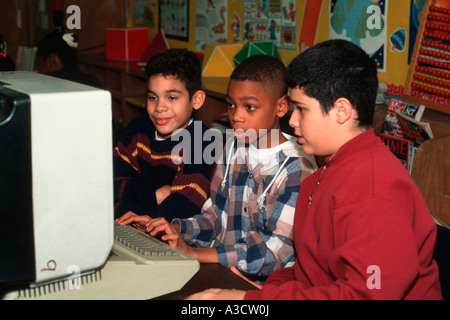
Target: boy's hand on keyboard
159, 227
137, 221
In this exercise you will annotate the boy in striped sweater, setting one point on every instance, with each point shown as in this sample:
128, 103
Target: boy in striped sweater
149, 177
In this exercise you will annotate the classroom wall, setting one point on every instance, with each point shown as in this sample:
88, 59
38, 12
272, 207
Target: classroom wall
397, 18
311, 28
96, 16
21, 23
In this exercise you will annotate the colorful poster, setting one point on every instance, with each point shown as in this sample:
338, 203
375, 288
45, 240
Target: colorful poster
174, 19
270, 20
211, 22
141, 13
364, 23
235, 27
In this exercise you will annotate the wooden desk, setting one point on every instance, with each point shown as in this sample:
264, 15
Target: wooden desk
210, 275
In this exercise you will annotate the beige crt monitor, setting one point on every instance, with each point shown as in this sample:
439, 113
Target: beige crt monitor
56, 188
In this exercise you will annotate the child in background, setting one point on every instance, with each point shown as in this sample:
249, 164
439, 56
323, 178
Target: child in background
149, 178
362, 229
247, 221
57, 57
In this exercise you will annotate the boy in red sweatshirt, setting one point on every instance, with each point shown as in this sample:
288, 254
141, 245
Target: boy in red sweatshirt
362, 229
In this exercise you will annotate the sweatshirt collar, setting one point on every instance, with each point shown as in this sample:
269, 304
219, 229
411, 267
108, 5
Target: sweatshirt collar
360, 142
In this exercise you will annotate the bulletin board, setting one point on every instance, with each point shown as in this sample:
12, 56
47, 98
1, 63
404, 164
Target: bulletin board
388, 42
222, 21
382, 30
297, 25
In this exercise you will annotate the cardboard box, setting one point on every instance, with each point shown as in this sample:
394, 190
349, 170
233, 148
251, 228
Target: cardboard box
125, 44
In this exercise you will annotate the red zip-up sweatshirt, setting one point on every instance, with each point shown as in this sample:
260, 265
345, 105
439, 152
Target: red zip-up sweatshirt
367, 235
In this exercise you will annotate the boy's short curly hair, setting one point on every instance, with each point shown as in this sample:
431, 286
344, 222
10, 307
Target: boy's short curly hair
181, 64
265, 70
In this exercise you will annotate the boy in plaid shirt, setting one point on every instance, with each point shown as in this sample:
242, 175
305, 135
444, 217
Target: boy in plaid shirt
247, 221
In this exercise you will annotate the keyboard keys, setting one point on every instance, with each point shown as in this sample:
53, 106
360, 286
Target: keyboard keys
142, 243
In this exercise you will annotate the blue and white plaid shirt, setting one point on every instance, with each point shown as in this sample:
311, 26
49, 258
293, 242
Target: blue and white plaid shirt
257, 239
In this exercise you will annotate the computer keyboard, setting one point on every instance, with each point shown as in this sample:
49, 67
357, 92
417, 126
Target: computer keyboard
139, 267
145, 247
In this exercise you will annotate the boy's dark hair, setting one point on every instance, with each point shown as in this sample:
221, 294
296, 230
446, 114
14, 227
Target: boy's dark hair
179, 63
266, 70
337, 69
54, 43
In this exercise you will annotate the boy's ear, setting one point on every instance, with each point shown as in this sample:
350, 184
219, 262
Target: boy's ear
343, 110
283, 106
198, 99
